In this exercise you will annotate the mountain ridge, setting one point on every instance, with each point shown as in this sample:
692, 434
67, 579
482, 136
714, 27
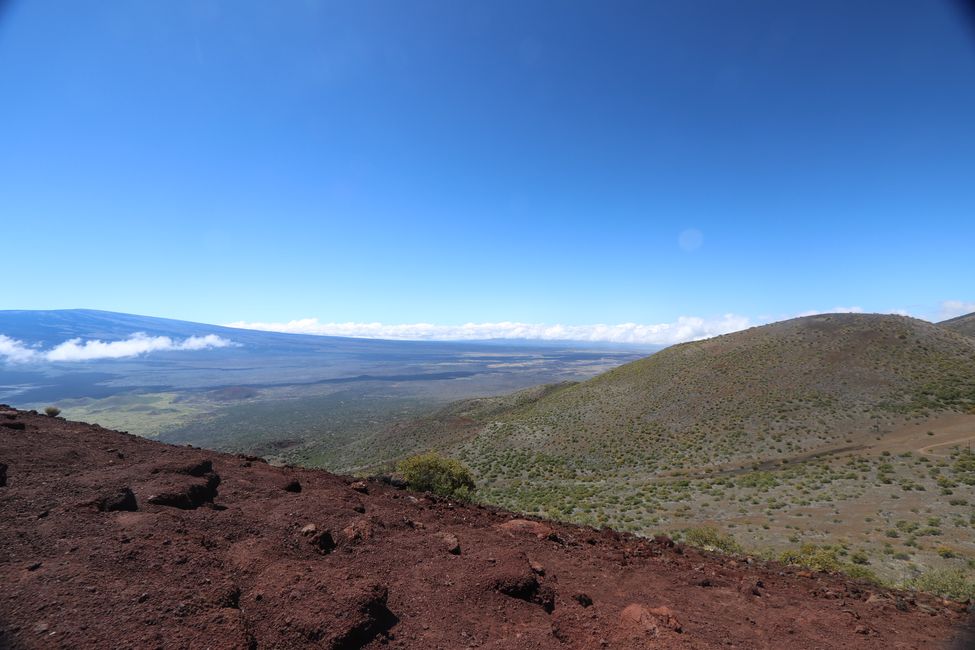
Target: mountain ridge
964, 324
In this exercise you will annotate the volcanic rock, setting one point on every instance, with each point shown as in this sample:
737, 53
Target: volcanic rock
526, 527
450, 542
524, 585
292, 485
116, 500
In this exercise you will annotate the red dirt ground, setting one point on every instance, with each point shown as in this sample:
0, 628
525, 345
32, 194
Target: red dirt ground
108, 540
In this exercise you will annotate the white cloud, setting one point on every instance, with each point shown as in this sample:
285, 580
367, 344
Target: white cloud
685, 328
955, 308
15, 351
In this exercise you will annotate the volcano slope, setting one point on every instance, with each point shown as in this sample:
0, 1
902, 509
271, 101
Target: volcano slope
112, 541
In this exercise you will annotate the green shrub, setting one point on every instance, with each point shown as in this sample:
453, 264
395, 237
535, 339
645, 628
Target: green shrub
53, 411
817, 558
431, 472
947, 583
859, 558
827, 558
711, 540
858, 572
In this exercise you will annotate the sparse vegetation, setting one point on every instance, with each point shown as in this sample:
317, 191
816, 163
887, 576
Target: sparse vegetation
52, 411
948, 583
829, 558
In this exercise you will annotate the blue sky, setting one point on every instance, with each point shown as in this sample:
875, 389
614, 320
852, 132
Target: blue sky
454, 162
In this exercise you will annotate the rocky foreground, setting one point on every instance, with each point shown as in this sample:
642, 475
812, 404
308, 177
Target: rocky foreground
108, 540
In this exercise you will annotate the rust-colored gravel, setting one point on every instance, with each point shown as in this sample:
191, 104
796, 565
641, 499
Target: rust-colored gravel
108, 540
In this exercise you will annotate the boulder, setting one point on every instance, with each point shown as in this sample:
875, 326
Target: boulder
292, 485
196, 468
121, 499
184, 492
322, 541
524, 585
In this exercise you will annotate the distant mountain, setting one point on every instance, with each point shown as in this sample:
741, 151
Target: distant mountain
252, 360
52, 327
963, 324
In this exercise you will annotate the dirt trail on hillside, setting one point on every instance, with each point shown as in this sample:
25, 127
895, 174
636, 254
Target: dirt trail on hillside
948, 431
112, 541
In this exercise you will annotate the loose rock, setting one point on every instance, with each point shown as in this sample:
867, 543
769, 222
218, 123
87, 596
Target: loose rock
450, 542
526, 527
360, 486
650, 620
583, 599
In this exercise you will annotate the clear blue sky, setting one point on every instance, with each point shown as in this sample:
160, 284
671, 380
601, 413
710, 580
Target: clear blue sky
451, 161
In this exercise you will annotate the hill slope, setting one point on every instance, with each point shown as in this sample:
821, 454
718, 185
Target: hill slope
113, 540
844, 430
765, 393
962, 324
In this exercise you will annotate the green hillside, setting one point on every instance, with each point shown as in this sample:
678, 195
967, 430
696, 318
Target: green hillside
765, 393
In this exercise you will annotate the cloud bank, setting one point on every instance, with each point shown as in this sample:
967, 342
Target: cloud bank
14, 351
685, 328
955, 308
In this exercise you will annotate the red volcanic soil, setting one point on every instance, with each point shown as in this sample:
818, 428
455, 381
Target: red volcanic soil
108, 540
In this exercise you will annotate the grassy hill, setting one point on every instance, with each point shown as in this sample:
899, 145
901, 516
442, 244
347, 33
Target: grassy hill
841, 429
962, 324
765, 393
